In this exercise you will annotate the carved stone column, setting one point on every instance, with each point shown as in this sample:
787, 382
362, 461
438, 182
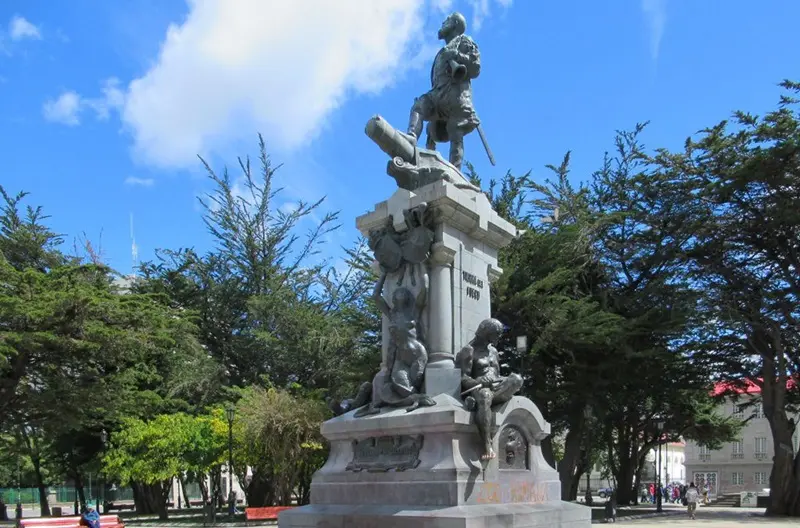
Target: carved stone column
440, 308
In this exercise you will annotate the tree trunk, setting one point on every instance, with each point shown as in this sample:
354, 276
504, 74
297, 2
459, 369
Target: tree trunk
182, 483
568, 465
166, 488
148, 498
547, 451
80, 491
202, 481
784, 493
216, 488
32, 443
44, 505
261, 489
637, 484
627, 458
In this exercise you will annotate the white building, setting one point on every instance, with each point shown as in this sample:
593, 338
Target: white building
673, 457
742, 465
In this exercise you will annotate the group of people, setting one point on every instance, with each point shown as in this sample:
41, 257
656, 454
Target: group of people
689, 495
672, 493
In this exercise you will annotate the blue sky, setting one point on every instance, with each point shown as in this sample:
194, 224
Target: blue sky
104, 105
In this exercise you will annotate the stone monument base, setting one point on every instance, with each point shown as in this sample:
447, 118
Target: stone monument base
422, 468
545, 515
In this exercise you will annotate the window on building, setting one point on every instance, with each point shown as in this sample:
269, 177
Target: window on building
761, 446
760, 478
759, 411
704, 453
737, 449
738, 411
737, 478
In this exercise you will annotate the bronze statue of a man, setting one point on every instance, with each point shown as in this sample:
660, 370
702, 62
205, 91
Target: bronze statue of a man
448, 105
481, 381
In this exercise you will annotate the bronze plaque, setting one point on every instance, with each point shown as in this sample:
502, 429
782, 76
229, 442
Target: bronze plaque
386, 452
513, 448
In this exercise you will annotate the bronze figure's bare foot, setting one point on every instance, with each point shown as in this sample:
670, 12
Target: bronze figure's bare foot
489, 454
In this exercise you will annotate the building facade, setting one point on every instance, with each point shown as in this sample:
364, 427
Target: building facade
672, 469
742, 465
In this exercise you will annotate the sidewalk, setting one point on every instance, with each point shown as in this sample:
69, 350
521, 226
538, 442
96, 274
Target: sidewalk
713, 517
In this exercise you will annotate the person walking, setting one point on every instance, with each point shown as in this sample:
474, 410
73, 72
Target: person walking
692, 496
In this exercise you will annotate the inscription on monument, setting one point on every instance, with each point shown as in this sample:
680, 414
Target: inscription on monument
473, 291
497, 493
385, 453
513, 449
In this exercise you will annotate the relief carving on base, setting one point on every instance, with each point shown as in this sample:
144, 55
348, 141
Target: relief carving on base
513, 449
386, 453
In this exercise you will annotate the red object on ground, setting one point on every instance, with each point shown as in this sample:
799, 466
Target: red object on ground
106, 521
267, 513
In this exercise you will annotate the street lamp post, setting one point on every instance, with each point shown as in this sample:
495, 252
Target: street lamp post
659, 492
587, 415
104, 440
522, 348
18, 511
230, 413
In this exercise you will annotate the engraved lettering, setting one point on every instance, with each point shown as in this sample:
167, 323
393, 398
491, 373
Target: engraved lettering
519, 492
385, 453
475, 285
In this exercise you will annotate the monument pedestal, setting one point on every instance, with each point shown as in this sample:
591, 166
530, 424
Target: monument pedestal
467, 236
422, 469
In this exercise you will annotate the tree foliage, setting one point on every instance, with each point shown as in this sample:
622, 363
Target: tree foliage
658, 275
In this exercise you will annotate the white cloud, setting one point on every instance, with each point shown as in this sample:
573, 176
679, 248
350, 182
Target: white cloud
64, 110
231, 69
443, 6
133, 181
68, 107
481, 9
655, 13
113, 99
20, 29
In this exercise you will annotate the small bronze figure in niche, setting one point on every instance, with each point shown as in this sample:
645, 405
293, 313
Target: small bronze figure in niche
514, 449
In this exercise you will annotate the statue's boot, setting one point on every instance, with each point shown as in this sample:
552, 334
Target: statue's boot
414, 125
456, 152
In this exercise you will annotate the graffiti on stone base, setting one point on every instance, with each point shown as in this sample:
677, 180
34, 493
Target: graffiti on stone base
496, 493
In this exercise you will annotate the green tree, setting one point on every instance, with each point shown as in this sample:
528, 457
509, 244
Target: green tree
741, 179
278, 437
148, 455
267, 306
597, 287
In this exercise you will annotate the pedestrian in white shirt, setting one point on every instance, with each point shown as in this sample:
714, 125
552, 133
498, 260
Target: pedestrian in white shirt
692, 496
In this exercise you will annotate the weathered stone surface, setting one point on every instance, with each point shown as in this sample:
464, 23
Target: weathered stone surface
450, 487
543, 515
467, 237
449, 472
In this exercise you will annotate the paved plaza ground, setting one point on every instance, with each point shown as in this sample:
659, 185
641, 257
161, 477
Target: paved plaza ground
707, 517
710, 517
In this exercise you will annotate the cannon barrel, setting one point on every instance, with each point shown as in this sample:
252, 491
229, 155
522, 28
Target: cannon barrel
390, 140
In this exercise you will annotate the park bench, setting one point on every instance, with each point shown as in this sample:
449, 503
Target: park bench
112, 506
106, 521
266, 513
